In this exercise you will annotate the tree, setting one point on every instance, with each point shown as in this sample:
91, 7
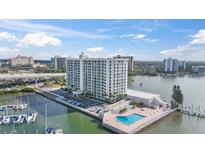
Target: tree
177, 95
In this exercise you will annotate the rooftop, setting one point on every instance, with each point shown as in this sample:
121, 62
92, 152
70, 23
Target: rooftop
145, 95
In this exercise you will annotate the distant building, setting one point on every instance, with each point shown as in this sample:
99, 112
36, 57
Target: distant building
170, 65
3, 62
182, 64
58, 62
198, 69
130, 61
21, 60
102, 78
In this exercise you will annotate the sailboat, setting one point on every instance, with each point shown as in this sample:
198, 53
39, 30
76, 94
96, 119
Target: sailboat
50, 130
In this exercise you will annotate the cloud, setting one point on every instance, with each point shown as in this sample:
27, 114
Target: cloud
186, 52
141, 37
96, 52
148, 29
7, 52
133, 36
199, 38
7, 36
151, 40
38, 39
57, 31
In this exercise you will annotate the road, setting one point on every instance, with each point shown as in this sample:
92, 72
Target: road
29, 75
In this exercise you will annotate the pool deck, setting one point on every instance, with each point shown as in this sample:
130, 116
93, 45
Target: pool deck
151, 116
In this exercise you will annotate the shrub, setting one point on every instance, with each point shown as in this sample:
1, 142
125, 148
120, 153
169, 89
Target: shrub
27, 89
123, 110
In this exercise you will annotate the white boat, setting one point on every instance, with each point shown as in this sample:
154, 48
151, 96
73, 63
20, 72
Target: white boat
50, 130
23, 106
2, 108
16, 107
1, 120
31, 117
22, 119
6, 120
59, 131
34, 117
17, 119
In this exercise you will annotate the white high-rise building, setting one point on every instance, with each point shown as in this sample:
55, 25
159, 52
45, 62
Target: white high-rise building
170, 65
103, 78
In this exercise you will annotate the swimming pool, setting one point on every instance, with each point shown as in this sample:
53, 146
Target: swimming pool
130, 119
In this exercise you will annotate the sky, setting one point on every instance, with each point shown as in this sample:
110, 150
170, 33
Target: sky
146, 40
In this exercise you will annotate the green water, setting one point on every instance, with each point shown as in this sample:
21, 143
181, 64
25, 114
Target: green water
58, 116
193, 89
73, 122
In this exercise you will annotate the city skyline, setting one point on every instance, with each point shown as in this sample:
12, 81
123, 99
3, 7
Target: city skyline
144, 39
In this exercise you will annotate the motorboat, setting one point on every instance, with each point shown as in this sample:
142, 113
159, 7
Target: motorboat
2, 108
50, 130
6, 120
59, 131
17, 119
22, 119
23, 106
31, 117
16, 107
34, 117
1, 120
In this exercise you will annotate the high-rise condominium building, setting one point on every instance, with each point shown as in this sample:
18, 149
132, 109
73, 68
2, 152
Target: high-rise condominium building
170, 65
103, 78
21, 60
58, 62
182, 65
130, 61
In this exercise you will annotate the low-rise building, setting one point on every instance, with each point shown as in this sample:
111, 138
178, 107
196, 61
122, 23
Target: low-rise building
198, 69
21, 60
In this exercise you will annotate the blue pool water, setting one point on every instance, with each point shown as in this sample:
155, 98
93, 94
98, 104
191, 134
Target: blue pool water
130, 119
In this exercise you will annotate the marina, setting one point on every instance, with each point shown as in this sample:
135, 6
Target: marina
18, 119
64, 115
61, 118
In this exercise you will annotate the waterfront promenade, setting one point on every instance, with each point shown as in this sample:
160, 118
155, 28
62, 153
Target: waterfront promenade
30, 75
108, 118
150, 116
